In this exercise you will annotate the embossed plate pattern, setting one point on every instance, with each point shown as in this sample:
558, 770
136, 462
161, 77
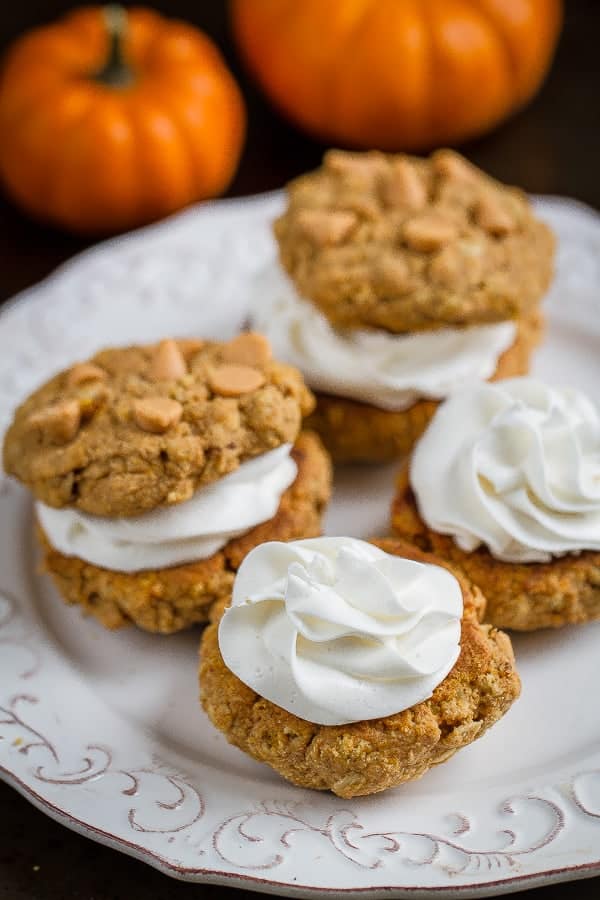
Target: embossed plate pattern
103, 731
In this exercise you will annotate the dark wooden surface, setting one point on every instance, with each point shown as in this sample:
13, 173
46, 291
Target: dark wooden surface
552, 147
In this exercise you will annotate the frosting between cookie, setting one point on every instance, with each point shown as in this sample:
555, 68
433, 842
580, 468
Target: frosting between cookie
514, 465
335, 630
389, 371
183, 533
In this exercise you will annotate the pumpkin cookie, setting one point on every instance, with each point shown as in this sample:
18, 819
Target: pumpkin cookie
170, 599
157, 468
142, 427
512, 499
355, 432
289, 673
400, 281
407, 244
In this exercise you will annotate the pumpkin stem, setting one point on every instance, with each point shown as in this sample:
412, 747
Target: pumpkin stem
115, 72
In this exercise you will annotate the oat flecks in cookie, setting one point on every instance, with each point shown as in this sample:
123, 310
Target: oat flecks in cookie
355, 211
100, 445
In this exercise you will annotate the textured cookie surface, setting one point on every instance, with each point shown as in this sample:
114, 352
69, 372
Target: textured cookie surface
520, 596
355, 432
366, 757
407, 244
171, 599
140, 427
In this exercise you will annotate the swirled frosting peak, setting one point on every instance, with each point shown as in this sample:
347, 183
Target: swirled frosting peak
513, 465
336, 630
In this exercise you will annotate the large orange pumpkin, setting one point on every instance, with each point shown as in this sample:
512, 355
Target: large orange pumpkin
112, 119
398, 74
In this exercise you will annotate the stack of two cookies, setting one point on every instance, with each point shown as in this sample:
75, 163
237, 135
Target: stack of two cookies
399, 281
157, 468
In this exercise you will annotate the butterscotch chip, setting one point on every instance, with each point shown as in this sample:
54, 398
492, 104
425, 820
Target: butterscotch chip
230, 380
157, 414
490, 215
249, 349
91, 396
325, 227
428, 232
83, 372
58, 423
403, 186
356, 166
410, 208
168, 363
148, 443
190, 346
453, 166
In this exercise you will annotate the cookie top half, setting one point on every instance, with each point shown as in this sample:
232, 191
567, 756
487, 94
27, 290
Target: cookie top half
406, 244
141, 427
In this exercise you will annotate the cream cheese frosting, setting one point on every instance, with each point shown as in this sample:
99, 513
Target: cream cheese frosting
514, 465
173, 535
335, 630
389, 371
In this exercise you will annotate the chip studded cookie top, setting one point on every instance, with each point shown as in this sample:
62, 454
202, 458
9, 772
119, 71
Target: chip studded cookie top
406, 244
137, 428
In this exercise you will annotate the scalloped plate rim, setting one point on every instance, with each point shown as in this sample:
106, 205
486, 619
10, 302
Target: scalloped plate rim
212, 875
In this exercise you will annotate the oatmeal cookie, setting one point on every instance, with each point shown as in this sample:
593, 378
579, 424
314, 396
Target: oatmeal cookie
369, 756
170, 599
142, 427
520, 596
406, 244
356, 432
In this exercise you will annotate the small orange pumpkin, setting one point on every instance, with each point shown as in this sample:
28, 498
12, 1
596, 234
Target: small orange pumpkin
398, 74
111, 119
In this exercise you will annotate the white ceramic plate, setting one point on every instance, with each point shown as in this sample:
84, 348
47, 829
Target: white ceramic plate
104, 732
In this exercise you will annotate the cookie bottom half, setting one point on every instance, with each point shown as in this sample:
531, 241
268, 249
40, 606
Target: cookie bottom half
356, 432
520, 596
369, 756
169, 600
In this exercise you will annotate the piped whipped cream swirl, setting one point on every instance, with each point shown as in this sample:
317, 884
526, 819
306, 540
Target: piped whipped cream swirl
390, 371
513, 465
334, 630
173, 535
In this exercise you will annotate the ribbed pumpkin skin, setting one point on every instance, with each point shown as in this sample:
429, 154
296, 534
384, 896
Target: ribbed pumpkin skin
96, 158
398, 74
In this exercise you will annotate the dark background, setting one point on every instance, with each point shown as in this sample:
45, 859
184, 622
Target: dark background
552, 147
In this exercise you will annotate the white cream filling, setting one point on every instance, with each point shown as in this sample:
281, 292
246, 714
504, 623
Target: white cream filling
514, 465
172, 535
389, 371
334, 630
